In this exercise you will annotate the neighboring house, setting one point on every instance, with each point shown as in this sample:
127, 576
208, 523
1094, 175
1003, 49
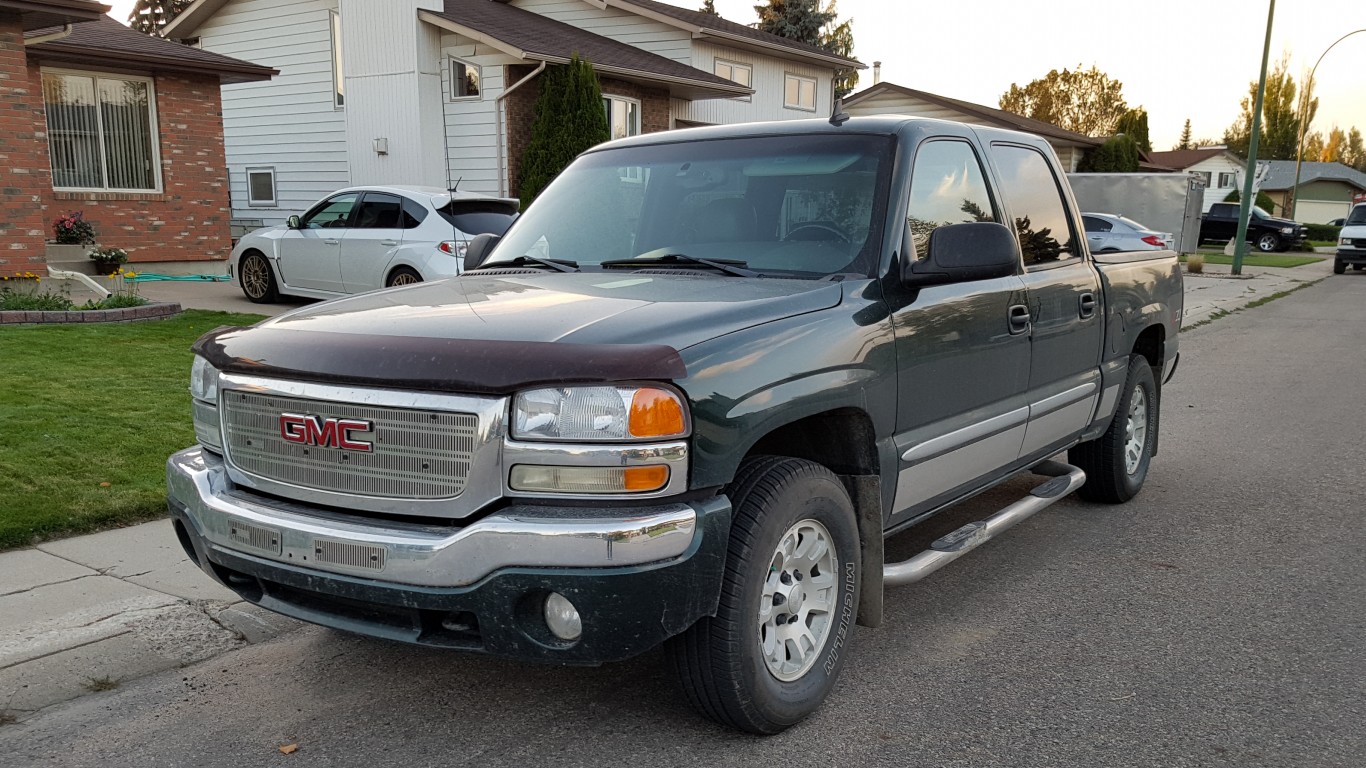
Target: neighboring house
442, 93
1216, 167
1326, 190
99, 118
891, 99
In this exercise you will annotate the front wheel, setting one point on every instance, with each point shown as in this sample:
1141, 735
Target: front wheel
258, 279
781, 632
1268, 243
1116, 463
1339, 266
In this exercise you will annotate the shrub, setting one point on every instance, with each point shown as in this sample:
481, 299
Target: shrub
1195, 263
1264, 201
73, 229
569, 119
1323, 232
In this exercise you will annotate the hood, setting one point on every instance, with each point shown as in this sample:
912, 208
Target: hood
499, 333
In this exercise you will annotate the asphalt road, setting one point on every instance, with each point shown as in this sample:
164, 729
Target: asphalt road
1217, 620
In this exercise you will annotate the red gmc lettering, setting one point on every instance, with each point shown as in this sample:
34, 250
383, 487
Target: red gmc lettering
328, 433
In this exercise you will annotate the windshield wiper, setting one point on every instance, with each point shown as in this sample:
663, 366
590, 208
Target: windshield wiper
563, 265
729, 266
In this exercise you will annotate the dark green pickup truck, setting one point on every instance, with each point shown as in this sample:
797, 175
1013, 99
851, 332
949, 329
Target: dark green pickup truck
682, 402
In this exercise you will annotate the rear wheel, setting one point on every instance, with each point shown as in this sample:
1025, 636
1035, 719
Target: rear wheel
1339, 266
779, 638
1116, 463
1268, 243
258, 279
403, 276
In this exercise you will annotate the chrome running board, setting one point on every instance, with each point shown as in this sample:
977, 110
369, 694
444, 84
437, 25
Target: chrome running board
1065, 479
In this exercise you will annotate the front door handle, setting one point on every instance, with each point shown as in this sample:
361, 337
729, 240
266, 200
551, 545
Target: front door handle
1087, 305
388, 242
1019, 319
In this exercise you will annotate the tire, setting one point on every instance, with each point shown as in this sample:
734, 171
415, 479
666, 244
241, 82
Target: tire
257, 278
402, 276
1339, 266
1116, 463
1268, 242
780, 505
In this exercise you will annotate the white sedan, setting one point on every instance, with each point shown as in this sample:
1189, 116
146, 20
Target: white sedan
1108, 232
363, 238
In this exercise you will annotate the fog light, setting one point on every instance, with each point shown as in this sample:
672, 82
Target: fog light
562, 617
534, 477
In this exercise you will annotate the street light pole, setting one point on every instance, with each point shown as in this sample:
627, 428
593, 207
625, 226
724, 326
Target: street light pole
1245, 206
1304, 122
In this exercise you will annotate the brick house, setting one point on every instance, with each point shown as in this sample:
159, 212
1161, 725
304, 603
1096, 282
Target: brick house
100, 118
440, 92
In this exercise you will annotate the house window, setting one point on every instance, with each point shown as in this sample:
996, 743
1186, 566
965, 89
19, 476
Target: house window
338, 80
101, 131
464, 80
1225, 180
735, 72
799, 92
261, 186
623, 116
1202, 176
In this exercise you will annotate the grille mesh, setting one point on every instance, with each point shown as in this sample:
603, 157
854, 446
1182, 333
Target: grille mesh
417, 454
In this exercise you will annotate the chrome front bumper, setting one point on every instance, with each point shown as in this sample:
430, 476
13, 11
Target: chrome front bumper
236, 520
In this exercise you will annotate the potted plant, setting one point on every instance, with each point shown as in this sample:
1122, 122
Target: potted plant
73, 229
108, 260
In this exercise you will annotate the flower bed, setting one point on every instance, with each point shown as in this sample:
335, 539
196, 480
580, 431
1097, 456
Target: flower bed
23, 300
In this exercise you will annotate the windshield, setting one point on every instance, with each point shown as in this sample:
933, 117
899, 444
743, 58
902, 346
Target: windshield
794, 206
1258, 213
1358, 215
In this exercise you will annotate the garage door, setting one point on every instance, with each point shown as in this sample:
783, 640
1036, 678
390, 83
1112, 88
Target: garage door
1320, 211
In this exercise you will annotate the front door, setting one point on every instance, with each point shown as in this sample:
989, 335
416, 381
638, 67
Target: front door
963, 365
370, 242
310, 256
1064, 299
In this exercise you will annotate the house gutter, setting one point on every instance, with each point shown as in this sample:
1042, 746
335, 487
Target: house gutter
58, 35
499, 107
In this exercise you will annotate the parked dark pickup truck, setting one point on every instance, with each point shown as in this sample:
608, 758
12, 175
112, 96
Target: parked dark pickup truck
1265, 231
683, 401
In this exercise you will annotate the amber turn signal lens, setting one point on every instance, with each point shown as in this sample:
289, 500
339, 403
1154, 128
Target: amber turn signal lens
656, 413
645, 478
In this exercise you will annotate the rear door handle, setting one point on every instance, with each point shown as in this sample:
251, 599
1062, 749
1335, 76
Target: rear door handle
388, 242
1087, 305
331, 242
1019, 319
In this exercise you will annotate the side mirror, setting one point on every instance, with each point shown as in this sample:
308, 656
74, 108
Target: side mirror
293, 223
478, 250
961, 252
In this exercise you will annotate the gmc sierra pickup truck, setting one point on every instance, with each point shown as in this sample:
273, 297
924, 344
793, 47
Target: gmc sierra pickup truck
682, 401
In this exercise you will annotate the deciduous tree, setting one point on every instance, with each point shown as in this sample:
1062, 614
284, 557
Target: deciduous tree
1087, 101
1281, 115
709, 7
150, 16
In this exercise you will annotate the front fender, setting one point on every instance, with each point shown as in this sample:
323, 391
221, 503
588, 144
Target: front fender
746, 384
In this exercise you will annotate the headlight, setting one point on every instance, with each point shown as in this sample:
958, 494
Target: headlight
204, 405
604, 413
1287, 230
1344, 241
204, 381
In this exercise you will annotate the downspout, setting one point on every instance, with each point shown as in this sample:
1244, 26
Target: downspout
65, 30
499, 107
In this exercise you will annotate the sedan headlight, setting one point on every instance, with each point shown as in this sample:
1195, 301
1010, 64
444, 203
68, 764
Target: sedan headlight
204, 404
602, 413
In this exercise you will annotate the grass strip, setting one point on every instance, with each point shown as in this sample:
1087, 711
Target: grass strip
88, 415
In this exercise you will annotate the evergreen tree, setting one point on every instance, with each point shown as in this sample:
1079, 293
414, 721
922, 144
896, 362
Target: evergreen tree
568, 119
1135, 123
1119, 154
149, 16
800, 20
1185, 142
709, 7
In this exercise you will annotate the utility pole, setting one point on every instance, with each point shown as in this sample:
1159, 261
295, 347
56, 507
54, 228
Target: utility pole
1245, 207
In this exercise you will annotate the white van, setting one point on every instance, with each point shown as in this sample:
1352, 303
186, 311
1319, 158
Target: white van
1352, 241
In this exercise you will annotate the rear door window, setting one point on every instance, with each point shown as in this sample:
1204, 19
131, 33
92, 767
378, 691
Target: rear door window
1035, 200
379, 211
1094, 224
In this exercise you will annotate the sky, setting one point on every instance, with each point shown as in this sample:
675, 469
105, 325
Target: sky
1183, 59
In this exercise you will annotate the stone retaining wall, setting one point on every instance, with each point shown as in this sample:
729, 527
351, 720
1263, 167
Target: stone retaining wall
154, 311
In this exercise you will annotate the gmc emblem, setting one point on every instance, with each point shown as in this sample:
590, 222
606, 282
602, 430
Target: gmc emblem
328, 433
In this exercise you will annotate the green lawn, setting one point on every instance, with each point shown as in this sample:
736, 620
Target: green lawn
1261, 259
88, 415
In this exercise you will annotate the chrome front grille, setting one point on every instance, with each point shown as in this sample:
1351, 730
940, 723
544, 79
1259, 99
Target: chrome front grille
417, 454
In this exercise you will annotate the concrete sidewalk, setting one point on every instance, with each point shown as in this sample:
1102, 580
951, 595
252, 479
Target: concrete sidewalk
83, 614
86, 612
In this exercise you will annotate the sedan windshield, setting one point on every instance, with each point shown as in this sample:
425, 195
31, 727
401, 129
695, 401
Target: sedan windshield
791, 206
